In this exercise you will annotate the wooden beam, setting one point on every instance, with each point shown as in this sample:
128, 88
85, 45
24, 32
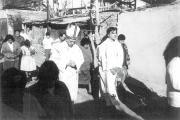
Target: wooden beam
97, 30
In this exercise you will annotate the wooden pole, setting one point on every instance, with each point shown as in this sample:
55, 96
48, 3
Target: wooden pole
48, 16
47, 10
97, 22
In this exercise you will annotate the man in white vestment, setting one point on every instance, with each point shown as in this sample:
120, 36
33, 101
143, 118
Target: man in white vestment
69, 58
110, 57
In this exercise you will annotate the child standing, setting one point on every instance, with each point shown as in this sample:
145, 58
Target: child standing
28, 62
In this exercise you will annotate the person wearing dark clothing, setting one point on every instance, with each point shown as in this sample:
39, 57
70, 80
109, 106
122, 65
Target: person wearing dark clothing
121, 39
94, 67
18, 38
10, 50
13, 83
84, 75
51, 94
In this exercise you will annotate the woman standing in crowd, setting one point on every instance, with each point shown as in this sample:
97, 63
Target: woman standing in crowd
172, 60
27, 61
11, 51
85, 76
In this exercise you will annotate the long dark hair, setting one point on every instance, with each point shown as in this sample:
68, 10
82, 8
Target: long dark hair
27, 43
172, 49
107, 33
48, 75
8, 37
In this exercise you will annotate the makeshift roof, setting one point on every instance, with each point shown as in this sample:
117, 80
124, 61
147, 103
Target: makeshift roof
20, 4
27, 15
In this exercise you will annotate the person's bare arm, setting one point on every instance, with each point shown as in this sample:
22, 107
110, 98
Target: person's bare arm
128, 111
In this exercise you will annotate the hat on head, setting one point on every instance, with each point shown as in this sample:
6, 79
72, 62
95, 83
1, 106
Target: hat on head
72, 31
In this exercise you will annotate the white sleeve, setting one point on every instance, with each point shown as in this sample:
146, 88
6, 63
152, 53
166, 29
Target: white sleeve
101, 57
120, 55
174, 74
80, 58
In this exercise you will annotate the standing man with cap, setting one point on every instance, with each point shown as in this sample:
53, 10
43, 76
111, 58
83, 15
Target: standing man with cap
70, 60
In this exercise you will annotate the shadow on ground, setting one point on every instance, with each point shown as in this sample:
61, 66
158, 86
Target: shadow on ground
145, 102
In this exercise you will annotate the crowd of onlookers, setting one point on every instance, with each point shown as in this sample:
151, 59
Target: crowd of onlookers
55, 86
37, 91
49, 91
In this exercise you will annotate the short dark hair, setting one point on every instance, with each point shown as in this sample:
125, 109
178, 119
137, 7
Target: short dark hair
111, 29
47, 33
48, 74
9, 37
172, 49
61, 34
27, 43
121, 37
17, 31
85, 41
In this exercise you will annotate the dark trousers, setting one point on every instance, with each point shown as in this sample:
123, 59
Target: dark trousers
95, 83
9, 64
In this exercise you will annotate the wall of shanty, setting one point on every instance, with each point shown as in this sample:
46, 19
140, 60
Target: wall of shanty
3, 25
9, 23
22, 4
147, 34
107, 19
3, 28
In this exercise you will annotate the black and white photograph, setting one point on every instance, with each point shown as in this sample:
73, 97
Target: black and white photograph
89, 59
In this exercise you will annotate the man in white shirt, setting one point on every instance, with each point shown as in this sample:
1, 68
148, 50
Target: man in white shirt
68, 57
111, 56
47, 42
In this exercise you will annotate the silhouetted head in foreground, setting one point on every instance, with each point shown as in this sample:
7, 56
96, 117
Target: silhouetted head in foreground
13, 85
48, 74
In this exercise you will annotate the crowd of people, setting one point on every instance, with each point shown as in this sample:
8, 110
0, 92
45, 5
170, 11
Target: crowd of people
102, 67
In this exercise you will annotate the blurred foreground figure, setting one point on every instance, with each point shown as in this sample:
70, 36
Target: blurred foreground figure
172, 59
13, 83
49, 98
111, 57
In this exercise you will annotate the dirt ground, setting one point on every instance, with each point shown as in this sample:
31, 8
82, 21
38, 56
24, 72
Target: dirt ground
154, 107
